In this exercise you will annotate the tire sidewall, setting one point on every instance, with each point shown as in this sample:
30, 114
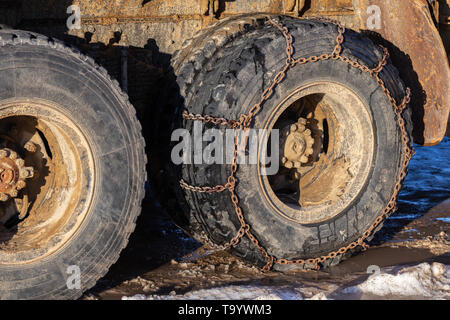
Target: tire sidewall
85, 95
278, 233
238, 80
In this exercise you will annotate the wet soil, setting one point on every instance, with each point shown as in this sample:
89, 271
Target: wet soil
158, 259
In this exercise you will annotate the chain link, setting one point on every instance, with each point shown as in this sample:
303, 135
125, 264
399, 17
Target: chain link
245, 120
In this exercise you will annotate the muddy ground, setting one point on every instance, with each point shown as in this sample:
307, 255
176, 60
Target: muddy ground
157, 262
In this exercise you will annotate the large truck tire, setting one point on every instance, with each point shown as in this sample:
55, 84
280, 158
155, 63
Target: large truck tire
71, 130
355, 154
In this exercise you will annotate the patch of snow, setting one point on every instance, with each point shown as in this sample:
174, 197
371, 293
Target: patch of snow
421, 281
233, 292
319, 296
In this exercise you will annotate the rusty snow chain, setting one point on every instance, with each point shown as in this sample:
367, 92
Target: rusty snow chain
244, 123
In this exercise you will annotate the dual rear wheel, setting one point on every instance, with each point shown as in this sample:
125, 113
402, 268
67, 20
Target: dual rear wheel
72, 165
72, 159
340, 147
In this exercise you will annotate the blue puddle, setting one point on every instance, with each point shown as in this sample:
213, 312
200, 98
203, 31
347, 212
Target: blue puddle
427, 183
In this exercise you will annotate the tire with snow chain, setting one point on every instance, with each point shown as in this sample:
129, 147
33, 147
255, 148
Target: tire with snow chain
70, 128
340, 144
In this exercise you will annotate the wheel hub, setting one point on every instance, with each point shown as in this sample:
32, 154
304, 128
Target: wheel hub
13, 173
296, 144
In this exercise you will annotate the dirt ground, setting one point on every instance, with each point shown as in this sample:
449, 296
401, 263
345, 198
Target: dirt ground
158, 260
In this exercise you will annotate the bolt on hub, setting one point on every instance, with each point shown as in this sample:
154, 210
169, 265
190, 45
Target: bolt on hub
296, 144
13, 173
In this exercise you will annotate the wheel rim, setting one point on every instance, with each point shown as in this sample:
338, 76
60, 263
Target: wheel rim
50, 208
334, 167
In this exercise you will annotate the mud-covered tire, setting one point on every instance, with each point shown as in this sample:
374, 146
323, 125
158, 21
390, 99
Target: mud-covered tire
36, 68
225, 78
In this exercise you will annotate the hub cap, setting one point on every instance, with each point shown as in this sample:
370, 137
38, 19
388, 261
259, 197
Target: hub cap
13, 173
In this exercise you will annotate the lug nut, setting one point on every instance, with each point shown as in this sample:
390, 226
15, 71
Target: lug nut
20, 184
4, 153
304, 159
3, 197
13, 193
30, 146
27, 172
20, 162
13, 155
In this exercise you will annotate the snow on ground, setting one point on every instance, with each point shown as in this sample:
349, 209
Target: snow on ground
233, 292
423, 281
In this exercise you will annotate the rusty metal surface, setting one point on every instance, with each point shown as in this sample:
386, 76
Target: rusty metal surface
167, 22
153, 30
409, 28
12, 174
444, 30
444, 23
